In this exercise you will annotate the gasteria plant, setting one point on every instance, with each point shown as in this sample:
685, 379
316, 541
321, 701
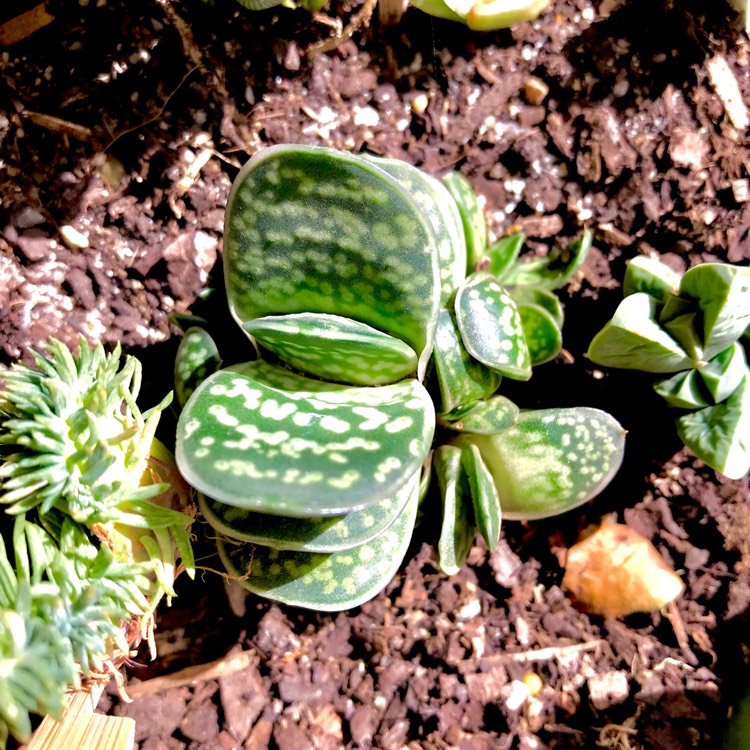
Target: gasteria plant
98, 525
689, 327
380, 358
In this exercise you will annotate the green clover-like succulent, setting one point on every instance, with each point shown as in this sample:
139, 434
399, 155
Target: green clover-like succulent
379, 341
689, 327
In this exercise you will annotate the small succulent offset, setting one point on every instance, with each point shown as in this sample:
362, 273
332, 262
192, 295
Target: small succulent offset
689, 327
92, 529
381, 351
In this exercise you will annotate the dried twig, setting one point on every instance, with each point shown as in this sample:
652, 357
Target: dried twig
359, 20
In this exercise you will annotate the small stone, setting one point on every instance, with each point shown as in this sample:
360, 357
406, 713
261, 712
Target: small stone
28, 217
74, 239
608, 689
741, 190
366, 116
536, 90
419, 103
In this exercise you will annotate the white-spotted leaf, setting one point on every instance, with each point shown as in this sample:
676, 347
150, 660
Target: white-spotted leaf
484, 496
542, 333
551, 460
491, 327
327, 582
263, 438
472, 216
197, 358
334, 348
311, 229
457, 530
494, 414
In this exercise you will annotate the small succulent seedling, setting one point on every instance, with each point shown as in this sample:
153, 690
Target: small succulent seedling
98, 528
689, 327
349, 274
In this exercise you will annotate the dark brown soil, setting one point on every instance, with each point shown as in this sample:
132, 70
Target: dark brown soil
127, 121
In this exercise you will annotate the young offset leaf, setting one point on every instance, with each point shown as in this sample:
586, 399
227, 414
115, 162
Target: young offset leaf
684, 330
462, 380
552, 270
724, 372
197, 358
722, 292
543, 335
486, 417
457, 530
650, 275
528, 295
634, 340
720, 435
329, 534
488, 15
326, 582
684, 390
435, 200
491, 327
310, 229
551, 460
472, 216
334, 348
483, 495
260, 437
504, 253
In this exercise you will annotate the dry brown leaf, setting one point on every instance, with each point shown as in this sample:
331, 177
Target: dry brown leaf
616, 571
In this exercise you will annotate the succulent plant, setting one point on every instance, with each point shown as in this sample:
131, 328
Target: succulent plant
379, 362
93, 532
689, 327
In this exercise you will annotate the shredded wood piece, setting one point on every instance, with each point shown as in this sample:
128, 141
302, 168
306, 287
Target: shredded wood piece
24, 25
727, 89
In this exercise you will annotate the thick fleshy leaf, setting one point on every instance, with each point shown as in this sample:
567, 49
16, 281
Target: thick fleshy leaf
724, 372
326, 582
440, 208
554, 269
491, 327
634, 340
260, 437
528, 295
503, 253
723, 295
551, 460
484, 496
462, 380
684, 330
720, 435
472, 216
329, 534
457, 530
488, 15
650, 275
543, 335
197, 358
334, 348
311, 229
492, 415
684, 390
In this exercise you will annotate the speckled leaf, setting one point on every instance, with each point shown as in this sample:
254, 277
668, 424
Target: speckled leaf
329, 534
528, 295
326, 582
503, 254
543, 335
650, 275
491, 327
492, 415
440, 208
457, 530
720, 435
724, 372
197, 358
723, 295
334, 348
310, 229
684, 390
472, 217
260, 437
484, 496
554, 269
634, 340
551, 460
462, 380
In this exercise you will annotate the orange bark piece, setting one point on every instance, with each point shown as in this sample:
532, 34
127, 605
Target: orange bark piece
616, 571
24, 25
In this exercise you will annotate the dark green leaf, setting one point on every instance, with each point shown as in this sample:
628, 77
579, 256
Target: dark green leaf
486, 417
543, 335
724, 372
472, 216
503, 254
684, 390
197, 358
483, 495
